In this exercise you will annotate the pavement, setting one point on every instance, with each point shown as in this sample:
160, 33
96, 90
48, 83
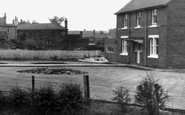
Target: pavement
67, 64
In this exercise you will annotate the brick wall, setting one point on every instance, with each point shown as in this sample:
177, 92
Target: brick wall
176, 34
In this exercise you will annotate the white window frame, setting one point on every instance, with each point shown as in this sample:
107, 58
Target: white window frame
108, 51
124, 45
138, 20
125, 21
154, 14
153, 46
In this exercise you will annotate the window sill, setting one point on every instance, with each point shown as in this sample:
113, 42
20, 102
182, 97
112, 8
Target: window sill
124, 54
153, 26
110, 52
137, 27
153, 56
124, 28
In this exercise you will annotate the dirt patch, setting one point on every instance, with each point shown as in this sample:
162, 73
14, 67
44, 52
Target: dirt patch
58, 71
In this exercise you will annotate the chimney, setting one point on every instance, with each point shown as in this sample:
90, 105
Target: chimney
66, 23
94, 35
15, 21
4, 18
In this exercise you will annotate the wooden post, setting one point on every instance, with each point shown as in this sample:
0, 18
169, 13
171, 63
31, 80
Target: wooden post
33, 84
86, 87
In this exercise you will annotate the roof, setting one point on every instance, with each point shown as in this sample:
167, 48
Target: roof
142, 4
90, 34
40, 26
74, 32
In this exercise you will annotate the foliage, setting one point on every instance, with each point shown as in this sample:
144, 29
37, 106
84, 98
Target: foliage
19, 99
122, 97
44, 101
151, 95
57, 20
70, 99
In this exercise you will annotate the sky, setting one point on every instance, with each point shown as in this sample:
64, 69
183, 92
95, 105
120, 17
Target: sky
81, 14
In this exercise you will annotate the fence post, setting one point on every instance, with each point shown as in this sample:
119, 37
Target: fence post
86, 87
33, 83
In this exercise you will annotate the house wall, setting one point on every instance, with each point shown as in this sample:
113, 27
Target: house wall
10, 30
161, 30
44, 39
176, 34
111, 56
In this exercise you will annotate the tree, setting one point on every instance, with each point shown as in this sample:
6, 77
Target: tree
122, 97
151, 94
57, 20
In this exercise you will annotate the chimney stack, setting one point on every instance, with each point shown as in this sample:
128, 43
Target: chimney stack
66, 23
15, 21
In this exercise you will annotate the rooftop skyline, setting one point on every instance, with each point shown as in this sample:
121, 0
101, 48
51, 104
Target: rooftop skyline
81, 14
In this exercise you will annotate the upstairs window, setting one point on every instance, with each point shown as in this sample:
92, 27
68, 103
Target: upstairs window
125, 21
154, 17
138, 20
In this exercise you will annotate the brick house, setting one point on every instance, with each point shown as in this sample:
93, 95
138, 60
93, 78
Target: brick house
151, 33
44, 35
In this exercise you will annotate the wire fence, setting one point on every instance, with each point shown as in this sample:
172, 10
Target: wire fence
102, 82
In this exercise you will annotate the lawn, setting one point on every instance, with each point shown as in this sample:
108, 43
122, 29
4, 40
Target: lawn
102, 81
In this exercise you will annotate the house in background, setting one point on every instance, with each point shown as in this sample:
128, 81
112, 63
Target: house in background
88, 39
151, 33
7, 32
42, 35
110, 46
74, 41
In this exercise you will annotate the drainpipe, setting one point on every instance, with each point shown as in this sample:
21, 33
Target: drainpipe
129, 32
146, 37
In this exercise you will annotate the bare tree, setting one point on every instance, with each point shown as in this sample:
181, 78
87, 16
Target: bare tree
57, 20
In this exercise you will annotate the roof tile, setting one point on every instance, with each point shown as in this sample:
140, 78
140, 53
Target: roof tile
140, 4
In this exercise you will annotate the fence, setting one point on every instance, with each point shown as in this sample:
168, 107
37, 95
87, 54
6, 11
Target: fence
102, 81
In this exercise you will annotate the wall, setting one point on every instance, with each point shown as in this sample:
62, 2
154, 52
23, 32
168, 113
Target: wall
45, 39
45, 55
160, 30
176, 34
111, 56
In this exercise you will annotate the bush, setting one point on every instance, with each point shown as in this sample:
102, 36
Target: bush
19, 99
151, 95
122, 97
70, 99
44, 102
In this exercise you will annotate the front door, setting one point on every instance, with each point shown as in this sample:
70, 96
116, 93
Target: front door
138, 50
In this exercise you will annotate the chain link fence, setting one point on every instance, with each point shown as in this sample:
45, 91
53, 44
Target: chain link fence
102, 82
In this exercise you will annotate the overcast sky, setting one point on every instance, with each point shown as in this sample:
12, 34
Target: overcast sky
81, 14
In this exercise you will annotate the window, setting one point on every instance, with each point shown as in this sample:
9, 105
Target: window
110, 50
125, 21
138, 19
154, 17
154, 43
124, 45
8, 30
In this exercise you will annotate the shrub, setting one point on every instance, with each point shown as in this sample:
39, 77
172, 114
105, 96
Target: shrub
19, 99
151, 94
70, 99
122, 97
44, 101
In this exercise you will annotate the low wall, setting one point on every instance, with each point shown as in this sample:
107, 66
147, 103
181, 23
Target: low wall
46, 55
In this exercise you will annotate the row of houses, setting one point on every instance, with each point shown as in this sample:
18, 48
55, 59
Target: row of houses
48, 36
149, 33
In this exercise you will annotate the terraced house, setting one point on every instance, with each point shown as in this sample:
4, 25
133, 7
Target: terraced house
151, 33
